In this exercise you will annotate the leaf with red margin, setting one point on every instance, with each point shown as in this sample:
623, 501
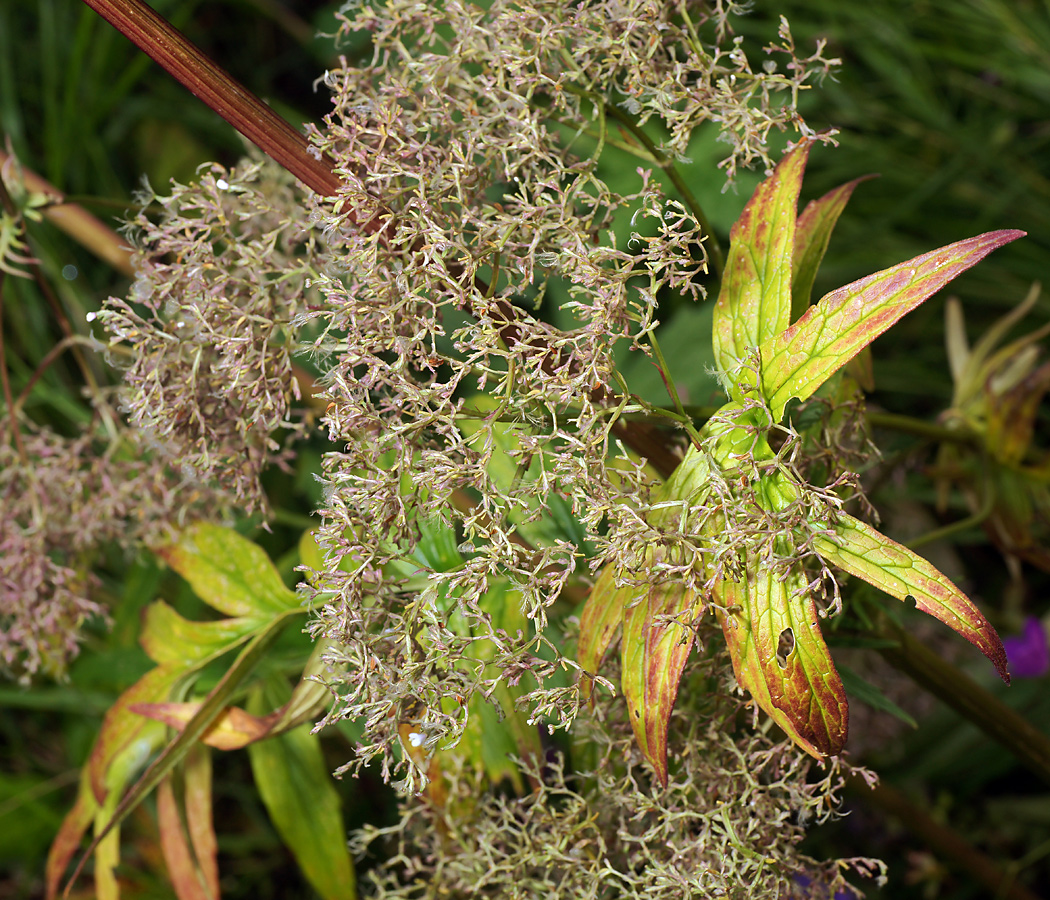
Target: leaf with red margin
185, 875
200, 823
754, 303
70, 834
804, 697
801, 358
812, 233
862, 551
121, 727
655, 649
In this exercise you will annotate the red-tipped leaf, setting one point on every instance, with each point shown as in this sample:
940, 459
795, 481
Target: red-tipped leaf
862, 551
801, 358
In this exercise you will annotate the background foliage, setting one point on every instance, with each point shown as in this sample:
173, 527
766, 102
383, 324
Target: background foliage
944, 99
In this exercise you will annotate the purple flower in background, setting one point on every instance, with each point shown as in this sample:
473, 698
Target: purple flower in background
822, 893
1028, 652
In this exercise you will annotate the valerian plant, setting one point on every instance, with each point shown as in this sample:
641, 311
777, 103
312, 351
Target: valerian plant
498, 503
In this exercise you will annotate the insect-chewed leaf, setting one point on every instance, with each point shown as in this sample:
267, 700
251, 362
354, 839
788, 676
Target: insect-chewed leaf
657, 638
802, 357
754, 303
801, 691
862, 551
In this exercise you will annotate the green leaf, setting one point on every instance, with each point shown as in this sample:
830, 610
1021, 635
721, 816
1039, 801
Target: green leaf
170, 639
296, 787
868, 693
802, 357
121, 728
657, 638
862, 551
754, 303
210, 710
801, 692
812, 233
229, 572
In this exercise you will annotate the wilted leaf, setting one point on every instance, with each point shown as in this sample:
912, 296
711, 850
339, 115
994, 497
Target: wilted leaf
232, 730
862, 551
802, 357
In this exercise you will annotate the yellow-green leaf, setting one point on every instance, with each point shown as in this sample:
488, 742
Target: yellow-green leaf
767, 615
229, 572
802, 357
812, 233
862, 551
599, 623
657, 638
171, 639
754, 303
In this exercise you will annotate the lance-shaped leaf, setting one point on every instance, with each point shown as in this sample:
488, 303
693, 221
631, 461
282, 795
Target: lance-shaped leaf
186, 876
862, 551
657, 638
801, 692
200, 824
296, 787
812, 233
70, 834
600, 622
802, 357
754, 303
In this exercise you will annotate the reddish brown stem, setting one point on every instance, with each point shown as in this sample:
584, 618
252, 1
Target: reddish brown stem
220, 90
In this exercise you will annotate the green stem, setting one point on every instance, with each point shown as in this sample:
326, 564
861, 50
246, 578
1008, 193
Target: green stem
714, 249
919, 428
945, 841
1001, 723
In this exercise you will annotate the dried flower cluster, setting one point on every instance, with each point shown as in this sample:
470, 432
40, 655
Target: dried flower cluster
728, 824
463, 298
466, 415
221, 276
63, 502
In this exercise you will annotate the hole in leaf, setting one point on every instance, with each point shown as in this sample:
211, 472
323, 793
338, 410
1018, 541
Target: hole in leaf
784, 647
